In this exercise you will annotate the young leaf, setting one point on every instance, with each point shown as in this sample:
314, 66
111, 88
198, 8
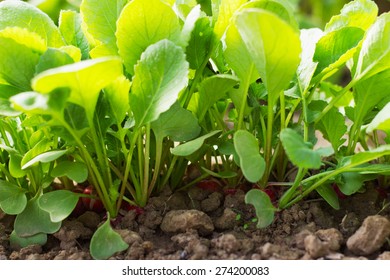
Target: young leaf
118, 96
105, 242
85, 79
13, 199
141, 24
266, 37
334, 49
301, 153
265, 211
15, 240
24, 15
192, 146
44, 158
100, 17
251, 162
162, 64
71, 27
358, 13
34, 220
374, 56
177, 123
76, 171
329, 195
59, 204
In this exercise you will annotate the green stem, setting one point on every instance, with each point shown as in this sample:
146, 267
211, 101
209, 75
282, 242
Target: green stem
244, 92
145, 188
156, 172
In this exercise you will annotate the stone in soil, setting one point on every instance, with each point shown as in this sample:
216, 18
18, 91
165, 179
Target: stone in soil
176, 221
370, 237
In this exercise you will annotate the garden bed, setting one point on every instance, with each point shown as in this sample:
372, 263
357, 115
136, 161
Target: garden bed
200, 224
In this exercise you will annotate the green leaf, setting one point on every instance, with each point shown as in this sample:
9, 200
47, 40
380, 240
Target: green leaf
301, 153
265, 211
212, 89
332, 125
374, 55
140, 25
329, 195
177, 123
199, 45
370, 92
17, 63
307, 67
238, 57
358, 13
76, 171
105, 242
352, 182
71, 27
266, 37
226, 10
15, 240
118, 96
381, 120
282, 8
100, 17
23, 15
334, 49
59, 204
44, 158
15, 166
53, 58
162, 64
192, 146
26, 38
364, 157
13, 199
85, 79
34, 220
251, 162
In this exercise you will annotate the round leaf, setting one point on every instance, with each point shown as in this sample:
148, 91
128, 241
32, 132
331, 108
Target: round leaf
265, 211
24, 15
251, 162
34, 220
140, 25
76, 171
13, 199
59, 204
106, 242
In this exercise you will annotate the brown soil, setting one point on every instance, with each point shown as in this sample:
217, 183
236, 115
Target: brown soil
201, 224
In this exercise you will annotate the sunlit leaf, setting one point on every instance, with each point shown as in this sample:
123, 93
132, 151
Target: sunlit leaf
162, 64
141, 24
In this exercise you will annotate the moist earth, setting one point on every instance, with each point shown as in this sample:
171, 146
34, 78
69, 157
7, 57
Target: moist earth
205, 224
